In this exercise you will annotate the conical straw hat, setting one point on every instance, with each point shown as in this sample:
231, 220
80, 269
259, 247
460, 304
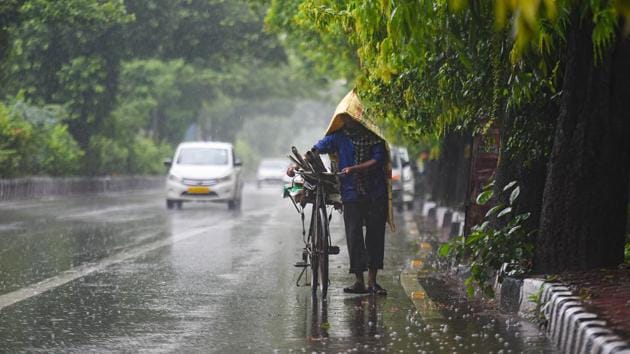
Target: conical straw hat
352, 106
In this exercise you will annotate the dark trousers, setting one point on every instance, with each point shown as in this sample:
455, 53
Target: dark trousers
365, 252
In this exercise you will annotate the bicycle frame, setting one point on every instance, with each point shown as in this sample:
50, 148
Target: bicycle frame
317, 244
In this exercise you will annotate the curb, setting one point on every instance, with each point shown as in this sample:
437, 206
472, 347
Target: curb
409, 274
569, 325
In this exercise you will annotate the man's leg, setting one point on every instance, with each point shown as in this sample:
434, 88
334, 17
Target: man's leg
375, 241
353, 221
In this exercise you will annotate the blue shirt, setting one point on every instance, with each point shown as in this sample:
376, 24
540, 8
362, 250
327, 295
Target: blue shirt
375, 181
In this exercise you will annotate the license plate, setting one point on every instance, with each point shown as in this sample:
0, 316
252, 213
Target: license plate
198, 190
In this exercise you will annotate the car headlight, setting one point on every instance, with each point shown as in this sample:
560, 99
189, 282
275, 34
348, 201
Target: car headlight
224, 179
174, 178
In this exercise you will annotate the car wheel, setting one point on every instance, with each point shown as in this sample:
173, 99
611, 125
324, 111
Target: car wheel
179, 205
235, 204
170, 204
239, 202
409, 205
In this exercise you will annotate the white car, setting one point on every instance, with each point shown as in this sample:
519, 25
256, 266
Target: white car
403, 184
204, 172
271, 171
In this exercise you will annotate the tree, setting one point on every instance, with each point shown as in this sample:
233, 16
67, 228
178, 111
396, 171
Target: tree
583, 220
429, 67
132, 72
584, 207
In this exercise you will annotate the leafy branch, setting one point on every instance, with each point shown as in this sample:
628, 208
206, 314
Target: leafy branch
488, 249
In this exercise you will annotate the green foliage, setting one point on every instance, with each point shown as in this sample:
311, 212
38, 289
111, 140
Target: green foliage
145, 157
106, 156
247, 155
427, 67
60, 154
34, 141
132, 76
537, 312
160, 97
507, 247
15, 135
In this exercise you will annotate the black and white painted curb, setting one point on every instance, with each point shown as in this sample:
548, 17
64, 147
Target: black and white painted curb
572, 328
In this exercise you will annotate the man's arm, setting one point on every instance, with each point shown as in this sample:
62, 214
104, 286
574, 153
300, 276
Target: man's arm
326, 145
360, 167
378, 157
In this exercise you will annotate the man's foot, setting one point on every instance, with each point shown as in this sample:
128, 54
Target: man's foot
377, 290
356, 288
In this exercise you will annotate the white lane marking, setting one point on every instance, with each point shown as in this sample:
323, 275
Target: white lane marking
83, 270
67, 276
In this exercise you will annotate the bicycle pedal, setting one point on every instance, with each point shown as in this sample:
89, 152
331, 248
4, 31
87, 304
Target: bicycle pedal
300, 264
333, 250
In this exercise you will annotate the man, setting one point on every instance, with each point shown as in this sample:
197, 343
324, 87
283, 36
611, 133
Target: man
363, 158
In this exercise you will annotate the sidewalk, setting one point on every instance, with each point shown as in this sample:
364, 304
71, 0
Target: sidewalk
605, 292
584, 312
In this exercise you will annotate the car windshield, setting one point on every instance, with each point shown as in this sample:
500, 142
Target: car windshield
202, 156
273, 164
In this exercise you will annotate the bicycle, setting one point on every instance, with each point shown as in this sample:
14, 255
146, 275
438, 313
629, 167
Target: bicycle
319, 188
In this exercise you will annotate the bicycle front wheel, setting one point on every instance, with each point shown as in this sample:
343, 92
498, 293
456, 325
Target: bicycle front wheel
323, 246
314, 261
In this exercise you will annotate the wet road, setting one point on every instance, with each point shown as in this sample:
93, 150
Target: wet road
119, 273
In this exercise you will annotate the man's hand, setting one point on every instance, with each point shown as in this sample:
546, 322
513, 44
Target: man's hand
347, 170
291, 171
360, 167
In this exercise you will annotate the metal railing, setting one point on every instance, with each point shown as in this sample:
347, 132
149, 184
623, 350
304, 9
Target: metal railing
36, 187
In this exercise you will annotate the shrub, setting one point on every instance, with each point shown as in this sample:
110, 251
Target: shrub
106, 156
15, 137
507, 247
145, 156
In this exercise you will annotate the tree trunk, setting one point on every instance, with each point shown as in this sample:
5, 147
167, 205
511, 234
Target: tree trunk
452, 171
524, 164
585, 198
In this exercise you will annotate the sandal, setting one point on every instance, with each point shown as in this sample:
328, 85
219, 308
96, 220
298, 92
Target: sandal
356, 288
377, 290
